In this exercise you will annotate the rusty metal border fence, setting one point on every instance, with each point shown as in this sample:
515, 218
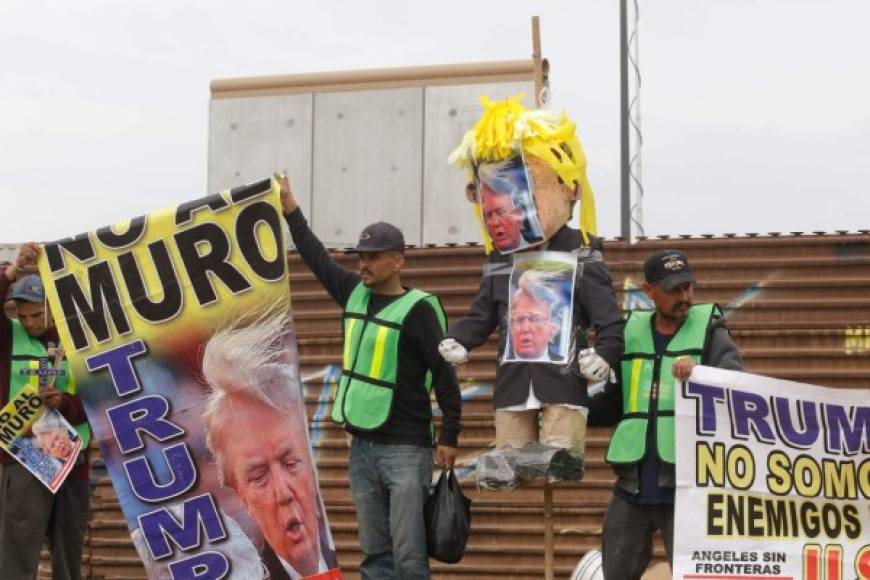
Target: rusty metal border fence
798, 306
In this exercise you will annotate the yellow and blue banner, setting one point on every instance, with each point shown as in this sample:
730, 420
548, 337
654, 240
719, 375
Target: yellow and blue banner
178, 330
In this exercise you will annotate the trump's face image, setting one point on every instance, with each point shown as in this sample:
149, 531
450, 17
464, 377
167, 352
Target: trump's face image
502, 218
531, 327
267, 463
56, 443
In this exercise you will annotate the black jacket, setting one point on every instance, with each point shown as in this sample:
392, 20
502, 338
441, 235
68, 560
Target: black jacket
594, 307
605, 408
409, 422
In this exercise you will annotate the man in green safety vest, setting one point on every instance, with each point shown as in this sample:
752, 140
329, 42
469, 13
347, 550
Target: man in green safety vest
661, 347
390, 365
29, 512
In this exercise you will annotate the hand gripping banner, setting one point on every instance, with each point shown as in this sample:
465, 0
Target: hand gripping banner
179, 332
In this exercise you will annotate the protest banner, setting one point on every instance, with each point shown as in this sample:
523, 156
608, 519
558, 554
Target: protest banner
773, 479
39, 438
179, 333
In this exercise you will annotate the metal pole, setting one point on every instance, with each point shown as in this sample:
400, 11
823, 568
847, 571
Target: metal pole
549, 544
624, 161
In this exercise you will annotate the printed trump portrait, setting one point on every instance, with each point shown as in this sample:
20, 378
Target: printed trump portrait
507, 204
257, 431
539, 311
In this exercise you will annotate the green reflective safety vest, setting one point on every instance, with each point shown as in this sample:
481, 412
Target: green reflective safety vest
371, 357
643, 372
26, 352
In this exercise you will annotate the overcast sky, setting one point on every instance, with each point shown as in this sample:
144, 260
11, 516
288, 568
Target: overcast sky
755, 114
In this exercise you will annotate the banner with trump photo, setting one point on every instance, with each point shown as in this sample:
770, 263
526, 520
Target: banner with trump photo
178, 329
39, 438
773, 479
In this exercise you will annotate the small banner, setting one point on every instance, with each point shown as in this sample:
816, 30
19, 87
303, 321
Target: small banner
773, 479
178, 330
39, 438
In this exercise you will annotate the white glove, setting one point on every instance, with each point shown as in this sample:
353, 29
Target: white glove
591, 365
453, 352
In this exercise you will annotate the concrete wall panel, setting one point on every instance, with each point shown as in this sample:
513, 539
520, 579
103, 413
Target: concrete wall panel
252, 137
449, 112
355, 157
367, 163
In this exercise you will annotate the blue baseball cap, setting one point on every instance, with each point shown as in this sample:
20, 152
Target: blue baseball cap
29, 289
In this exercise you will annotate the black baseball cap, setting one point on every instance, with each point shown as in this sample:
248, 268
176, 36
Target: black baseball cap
668, 268
379, 237
29, 289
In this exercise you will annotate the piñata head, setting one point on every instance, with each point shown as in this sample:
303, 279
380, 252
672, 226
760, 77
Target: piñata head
526, 169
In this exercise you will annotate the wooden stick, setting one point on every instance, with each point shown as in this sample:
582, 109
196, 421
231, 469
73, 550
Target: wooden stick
434, 75
58, 357
548, 531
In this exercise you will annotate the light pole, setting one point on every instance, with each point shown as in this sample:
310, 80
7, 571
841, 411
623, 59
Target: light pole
624, 159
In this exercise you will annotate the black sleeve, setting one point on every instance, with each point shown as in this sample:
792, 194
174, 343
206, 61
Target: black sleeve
338, 281
599, 303
482, 317
605, 408
72, 409
721, 352
424, 330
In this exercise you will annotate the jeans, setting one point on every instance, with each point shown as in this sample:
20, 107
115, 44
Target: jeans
627, 537
389, 485
29, 513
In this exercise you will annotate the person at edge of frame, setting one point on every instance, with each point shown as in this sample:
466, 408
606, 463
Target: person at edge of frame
29, 512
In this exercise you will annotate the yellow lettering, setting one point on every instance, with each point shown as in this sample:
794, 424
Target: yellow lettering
779, 474
741, 467
710, 463
840, 482
807, 476
864, 478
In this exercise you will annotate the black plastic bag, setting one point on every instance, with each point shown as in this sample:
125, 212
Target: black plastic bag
448, 520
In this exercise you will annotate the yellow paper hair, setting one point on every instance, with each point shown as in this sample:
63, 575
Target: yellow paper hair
547, 135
